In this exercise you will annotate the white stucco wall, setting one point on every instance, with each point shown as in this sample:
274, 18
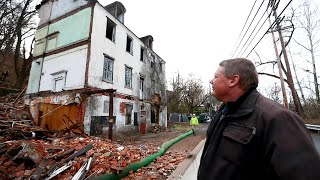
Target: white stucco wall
72, 61
101, 45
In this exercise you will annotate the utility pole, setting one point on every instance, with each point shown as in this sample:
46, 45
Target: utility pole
285, 100
285, 56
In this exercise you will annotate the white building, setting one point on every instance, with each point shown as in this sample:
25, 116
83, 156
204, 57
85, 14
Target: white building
83, 55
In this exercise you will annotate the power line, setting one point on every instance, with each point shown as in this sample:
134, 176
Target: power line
253, 31
244, 26
269, 28
255, 35
248, 28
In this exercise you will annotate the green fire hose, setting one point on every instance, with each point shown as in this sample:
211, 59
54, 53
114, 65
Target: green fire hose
143, 162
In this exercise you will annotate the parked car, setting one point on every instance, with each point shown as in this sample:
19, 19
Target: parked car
204, 117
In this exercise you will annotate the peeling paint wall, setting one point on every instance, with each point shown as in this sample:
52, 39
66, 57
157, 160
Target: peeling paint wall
58, 8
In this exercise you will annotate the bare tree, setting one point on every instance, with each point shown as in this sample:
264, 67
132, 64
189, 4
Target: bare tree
175, 96
17, 23
193, 94
309, 23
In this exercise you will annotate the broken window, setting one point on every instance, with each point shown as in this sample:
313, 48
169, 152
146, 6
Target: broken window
111, 30
128, 120
141, 87
108, 69
128, 77
141, 54
129, 44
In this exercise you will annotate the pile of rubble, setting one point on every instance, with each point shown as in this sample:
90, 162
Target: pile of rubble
30, 152
36, 159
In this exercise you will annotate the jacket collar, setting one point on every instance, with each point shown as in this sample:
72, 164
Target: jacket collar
243, 105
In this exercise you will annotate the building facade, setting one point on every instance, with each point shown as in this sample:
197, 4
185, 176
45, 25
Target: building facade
87, 63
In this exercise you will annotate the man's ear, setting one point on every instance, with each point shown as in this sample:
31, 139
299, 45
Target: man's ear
235, 80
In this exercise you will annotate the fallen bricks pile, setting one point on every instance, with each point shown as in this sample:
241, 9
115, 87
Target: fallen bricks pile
37, 159
30, 152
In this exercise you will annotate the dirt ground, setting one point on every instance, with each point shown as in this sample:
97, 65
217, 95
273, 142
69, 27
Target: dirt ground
173, 130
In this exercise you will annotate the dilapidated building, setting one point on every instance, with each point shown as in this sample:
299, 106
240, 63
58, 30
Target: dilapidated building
88, 65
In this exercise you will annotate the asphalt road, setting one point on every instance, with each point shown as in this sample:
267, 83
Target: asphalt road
316, 139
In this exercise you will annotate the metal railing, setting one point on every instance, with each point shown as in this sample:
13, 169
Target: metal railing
313, 127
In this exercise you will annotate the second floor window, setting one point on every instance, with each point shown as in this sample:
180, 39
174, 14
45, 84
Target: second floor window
128, 77
108, 69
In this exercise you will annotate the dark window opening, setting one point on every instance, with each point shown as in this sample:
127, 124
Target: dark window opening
141, 54
129, 45
153, 116
128, 120
111, 30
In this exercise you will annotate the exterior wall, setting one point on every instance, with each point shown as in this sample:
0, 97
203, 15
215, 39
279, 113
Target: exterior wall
154, 76
69, 30
67, 57
73, 62
57, 8
34, 77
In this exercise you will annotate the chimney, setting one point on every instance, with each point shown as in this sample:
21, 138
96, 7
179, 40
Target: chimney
117, 9
147, 40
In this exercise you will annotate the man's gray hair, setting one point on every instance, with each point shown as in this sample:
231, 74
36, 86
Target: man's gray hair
243, 68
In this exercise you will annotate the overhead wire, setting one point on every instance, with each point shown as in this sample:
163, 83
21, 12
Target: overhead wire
269, 27
248, 28
255, 35
244, 26
254, 30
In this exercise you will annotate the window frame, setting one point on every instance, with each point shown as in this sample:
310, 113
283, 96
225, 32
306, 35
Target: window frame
128, 116
106, 63
130, 50
114, 27
126, 78
142, 49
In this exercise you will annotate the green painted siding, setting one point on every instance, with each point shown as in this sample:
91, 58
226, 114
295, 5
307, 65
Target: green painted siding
72, 28
34, 77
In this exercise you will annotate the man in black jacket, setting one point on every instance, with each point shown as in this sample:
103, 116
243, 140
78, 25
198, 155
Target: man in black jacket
252, 137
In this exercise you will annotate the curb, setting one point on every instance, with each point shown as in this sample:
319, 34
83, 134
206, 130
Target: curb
184, 165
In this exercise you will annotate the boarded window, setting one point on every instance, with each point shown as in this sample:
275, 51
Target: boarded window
111, 30
128, 116
106, 107
108, 69
39, 47
128, 77
52, 41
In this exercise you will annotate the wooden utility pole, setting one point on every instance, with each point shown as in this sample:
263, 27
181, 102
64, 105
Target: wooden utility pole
111, 120
285, 100
289, 75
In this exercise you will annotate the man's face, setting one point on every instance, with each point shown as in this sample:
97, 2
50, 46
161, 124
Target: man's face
220, 86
